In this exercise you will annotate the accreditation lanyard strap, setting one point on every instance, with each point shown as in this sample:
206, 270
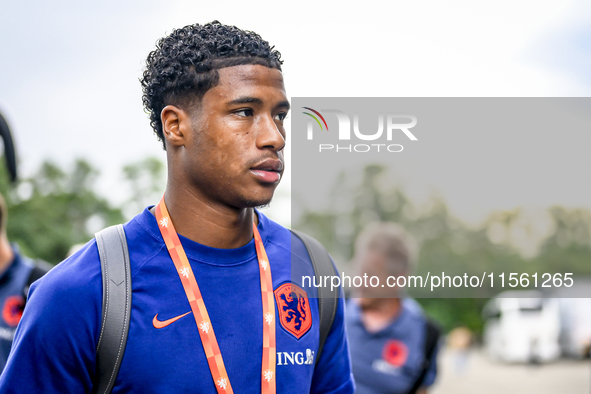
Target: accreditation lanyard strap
205, 328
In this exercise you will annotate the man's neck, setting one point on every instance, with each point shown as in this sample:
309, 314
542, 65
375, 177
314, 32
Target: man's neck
214, 225
6, 253
380, 313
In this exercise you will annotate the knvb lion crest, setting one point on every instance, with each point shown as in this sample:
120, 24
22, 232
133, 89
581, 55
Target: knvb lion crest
294, 310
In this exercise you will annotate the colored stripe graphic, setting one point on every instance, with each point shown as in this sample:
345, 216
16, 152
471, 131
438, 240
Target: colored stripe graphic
317, 113
315, 118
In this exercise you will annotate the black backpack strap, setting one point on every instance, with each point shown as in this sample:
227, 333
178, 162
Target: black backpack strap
116, 309
327, 298
40, 268
432, 334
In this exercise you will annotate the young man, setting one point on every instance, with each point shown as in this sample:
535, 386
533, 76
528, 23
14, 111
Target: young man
393, 346
216, 99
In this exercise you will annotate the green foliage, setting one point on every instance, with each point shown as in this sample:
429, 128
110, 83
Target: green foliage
146, 180
55, 209
50, 211
450, 246
455, 312
569, 246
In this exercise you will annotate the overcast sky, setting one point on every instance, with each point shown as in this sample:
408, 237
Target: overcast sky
69, 71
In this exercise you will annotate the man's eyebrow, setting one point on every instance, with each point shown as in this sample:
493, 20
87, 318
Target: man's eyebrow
255, 100
284, 104
246, 100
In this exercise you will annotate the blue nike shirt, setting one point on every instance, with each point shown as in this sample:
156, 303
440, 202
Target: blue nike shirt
55, 344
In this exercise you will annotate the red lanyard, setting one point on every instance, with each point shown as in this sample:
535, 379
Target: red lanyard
210, 343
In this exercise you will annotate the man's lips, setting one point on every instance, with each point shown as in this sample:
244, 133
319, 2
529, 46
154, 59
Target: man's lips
268, 170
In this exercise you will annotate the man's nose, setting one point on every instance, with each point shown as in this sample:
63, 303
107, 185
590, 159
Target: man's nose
269, 134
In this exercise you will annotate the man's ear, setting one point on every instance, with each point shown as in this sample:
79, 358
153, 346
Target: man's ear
174, 124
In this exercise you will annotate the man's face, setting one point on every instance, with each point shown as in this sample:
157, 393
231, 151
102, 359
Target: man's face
234, 153
372, 263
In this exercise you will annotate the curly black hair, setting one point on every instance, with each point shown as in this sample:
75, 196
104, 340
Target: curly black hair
184, 65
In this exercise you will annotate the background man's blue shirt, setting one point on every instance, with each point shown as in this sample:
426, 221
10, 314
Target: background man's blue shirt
390, 360
12, 282
54, 349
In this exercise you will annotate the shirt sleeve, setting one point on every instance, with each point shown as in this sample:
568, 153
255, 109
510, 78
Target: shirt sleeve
333, 373
55, 342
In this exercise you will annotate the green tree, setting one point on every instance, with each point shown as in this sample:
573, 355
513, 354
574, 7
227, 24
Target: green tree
446, 244
146, 182
54, 209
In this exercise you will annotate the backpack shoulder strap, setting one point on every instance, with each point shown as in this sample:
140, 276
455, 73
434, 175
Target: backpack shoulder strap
116, 309
40, 268
432, 334
327, 298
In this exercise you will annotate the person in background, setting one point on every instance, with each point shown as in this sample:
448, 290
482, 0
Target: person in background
459, 342
393, 344
17, 272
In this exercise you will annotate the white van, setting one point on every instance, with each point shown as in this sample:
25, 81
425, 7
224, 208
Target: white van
522, 326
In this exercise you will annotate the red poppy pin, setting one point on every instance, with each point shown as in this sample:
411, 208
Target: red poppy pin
395, 353
13, 310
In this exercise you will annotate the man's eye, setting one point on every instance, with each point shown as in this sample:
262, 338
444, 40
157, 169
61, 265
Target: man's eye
245, 112
281, 116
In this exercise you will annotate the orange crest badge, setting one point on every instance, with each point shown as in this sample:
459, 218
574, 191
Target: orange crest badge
294, 310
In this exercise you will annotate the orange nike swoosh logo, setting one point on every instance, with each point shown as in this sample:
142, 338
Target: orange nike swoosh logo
161, 324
